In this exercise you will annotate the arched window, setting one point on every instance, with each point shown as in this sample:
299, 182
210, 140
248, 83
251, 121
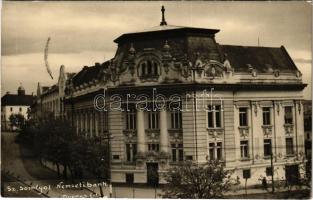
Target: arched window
148, 68
155, 68
143, 68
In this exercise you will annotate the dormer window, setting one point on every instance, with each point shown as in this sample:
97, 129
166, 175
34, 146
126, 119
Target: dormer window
149, 68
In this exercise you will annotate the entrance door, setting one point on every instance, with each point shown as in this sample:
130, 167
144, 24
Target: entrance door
292, 174
152, 174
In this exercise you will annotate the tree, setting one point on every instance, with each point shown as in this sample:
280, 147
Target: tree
17, 120
190, 180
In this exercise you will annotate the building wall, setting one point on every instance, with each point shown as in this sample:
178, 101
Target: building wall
230, 137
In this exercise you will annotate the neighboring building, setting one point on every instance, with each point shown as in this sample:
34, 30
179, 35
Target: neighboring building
14, 104
50, 99
255, 108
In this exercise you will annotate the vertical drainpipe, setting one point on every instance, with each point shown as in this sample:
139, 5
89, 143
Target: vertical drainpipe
252, 138
195, 116
274, 130
296, 127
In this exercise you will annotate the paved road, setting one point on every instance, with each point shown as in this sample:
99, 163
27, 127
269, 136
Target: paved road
35, 176
27, 177
37, 180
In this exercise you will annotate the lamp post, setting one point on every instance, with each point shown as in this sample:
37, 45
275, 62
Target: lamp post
272, 170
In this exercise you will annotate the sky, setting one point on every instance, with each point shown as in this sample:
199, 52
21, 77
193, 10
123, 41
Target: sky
82, 33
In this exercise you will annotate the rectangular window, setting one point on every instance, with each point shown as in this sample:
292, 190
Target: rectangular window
153, 147
20, 109
267, 147
266, 116
131, 119
153, 120
131, 151
176, 119
177, 152
129, 178
288, 115
244, 149
289, 146
214, 116
243, 117
268, 171
246, 173
215, 151
11, 109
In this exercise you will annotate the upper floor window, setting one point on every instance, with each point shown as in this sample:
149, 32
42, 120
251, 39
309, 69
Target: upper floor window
289, 146
131, 151
288, 115
214, 116
244, 149
177, 152
266, 116
131, 119
243, 117
11, 109
153, 147
215, 150
149, 68
20, 109
153, 120
176, 119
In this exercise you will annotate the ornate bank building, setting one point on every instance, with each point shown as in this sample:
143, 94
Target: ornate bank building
236, 104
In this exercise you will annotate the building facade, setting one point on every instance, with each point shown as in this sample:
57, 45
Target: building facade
12, 104
50, 100
173, 94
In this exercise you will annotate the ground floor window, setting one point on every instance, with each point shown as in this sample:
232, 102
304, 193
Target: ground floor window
292, 174
268, 171
267, 147
246, 173
129, 178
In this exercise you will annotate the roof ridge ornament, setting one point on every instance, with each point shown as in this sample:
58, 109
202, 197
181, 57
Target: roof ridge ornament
163, 22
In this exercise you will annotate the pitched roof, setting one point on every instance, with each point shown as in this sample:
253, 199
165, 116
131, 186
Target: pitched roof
17, 100
263, 59
88, 74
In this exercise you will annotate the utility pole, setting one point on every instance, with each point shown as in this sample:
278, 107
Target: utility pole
272, 170
108, 137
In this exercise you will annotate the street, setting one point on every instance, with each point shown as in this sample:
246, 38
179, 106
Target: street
29, 178
24, 176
